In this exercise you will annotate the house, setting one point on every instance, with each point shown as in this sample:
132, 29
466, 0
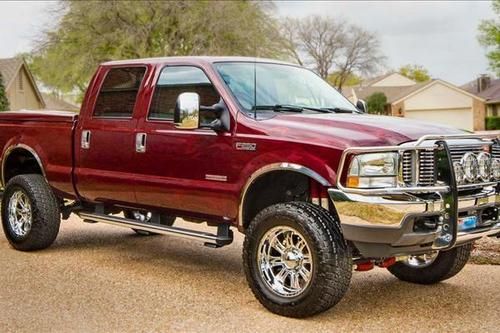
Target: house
435, 100
488, 89
53, 102
20, 86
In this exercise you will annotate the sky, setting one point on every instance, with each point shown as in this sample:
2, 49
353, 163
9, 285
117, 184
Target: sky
439, 35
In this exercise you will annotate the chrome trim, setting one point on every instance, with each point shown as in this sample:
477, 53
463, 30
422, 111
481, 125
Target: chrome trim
277, 167
155, 228
9, 150
417, 146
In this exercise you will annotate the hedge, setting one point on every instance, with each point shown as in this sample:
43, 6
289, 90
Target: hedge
493, 123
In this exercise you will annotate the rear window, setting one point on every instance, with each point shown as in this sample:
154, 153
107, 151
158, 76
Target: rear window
119, 92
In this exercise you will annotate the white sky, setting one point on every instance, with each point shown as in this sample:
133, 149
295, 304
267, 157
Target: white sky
440, 35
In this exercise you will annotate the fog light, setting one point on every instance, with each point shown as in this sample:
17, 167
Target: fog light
459, 172
484, 166
471, 167
495, 168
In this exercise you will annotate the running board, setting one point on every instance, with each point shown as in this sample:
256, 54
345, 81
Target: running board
224, 234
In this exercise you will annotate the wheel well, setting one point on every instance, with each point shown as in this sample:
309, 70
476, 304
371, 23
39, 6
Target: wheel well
20, 161
272, 188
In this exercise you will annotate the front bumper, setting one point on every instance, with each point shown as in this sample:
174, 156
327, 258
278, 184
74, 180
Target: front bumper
412, 220
388, 226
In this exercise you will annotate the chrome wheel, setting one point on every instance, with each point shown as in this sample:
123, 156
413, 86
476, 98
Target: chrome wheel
20, 215
285, 261
421, 260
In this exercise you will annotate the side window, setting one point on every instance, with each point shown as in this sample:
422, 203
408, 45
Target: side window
119, 92
176, 80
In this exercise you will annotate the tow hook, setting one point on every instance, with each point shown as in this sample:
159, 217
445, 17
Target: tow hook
370, 264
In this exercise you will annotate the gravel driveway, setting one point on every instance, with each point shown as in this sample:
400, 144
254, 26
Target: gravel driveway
99, 278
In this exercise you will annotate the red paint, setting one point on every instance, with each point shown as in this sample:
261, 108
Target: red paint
171, 174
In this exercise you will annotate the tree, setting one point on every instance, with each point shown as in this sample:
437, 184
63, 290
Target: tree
352, 79
332, 46
489, 37
376, 102
4, 102
415, 72
91, 32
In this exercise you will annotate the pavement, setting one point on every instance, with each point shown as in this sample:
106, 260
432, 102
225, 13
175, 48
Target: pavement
100, 278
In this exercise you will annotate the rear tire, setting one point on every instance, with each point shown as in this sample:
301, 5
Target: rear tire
445, 265
30, 213
296, 260
166, 220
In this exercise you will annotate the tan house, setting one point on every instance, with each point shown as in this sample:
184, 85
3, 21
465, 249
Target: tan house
488, 89
435, 100
20, 86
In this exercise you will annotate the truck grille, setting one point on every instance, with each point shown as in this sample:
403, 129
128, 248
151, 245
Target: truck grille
495, 150
424, 162
426, 168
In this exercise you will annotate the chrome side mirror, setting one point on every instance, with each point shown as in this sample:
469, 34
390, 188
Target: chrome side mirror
187, 111
361, 105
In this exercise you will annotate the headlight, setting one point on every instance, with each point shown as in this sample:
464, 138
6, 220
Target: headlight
374, 170
484, 165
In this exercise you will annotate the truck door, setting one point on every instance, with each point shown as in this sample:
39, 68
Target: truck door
105, 137
186, 170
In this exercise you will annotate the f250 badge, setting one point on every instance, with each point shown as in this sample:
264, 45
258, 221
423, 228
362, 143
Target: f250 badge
249, 146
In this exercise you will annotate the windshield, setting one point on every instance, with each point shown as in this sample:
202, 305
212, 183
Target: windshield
279, 85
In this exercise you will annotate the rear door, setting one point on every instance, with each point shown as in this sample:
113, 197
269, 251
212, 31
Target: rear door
105, 147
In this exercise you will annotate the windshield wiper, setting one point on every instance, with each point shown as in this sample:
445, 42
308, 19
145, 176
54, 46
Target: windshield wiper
342, 110
289, 108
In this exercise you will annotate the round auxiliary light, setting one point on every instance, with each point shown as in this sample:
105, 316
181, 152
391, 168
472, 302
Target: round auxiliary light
459, 172
495, 168
484, 166
471, 167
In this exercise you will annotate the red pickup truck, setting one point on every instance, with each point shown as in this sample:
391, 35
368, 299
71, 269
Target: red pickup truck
317, 186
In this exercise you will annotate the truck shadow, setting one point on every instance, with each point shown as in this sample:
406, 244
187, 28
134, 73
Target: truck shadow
166, 258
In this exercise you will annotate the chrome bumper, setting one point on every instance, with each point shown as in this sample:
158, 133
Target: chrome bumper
383, 226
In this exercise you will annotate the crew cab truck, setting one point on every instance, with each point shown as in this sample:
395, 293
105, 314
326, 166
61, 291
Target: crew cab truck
317, 186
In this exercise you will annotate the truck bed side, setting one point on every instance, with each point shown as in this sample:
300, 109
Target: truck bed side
44, 137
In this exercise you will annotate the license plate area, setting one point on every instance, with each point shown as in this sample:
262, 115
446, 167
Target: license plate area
467, 222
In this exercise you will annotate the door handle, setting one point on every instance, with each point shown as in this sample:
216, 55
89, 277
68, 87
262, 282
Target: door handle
140, 142
85, 143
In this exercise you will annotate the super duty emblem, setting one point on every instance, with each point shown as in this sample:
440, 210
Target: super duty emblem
246, 146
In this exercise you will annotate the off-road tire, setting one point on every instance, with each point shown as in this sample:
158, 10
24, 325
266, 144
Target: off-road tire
166, 220
331, 257
446, 265
46, 217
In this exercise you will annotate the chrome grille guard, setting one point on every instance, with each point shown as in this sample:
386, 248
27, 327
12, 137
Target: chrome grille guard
448, 193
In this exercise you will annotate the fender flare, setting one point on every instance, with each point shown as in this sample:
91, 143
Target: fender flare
12, 148
281, 166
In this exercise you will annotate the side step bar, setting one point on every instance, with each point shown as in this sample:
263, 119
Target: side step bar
224, 234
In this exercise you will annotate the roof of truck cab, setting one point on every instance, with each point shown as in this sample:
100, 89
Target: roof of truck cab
194, 59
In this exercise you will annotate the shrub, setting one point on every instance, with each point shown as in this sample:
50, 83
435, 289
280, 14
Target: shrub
493, 123
376, 102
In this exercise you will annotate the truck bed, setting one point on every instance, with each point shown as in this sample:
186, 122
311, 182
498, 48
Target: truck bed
49, 135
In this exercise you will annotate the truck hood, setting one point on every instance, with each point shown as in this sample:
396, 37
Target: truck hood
39, 115
347, 130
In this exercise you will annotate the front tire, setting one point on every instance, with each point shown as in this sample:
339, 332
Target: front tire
296, 260
30, 213
434, 269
